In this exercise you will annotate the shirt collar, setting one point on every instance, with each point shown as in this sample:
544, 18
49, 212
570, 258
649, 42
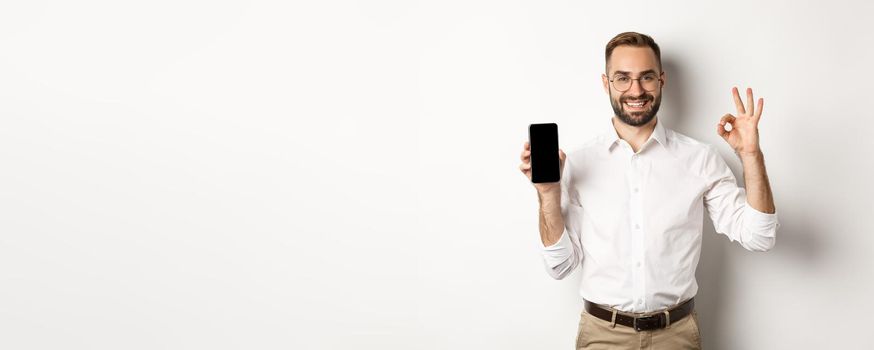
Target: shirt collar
612, 136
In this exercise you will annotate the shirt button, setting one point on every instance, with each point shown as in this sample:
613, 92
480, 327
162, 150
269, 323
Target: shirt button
640, 301
638, 264
635, 190
636, 226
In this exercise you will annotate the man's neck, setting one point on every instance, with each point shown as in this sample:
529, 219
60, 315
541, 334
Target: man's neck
634, 135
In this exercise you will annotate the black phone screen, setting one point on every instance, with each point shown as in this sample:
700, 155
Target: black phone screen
545, 165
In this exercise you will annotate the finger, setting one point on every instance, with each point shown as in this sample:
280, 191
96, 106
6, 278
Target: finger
720, 127
561, 155
720, 130
524, 167
750, 101
525, 155
737, 102
527, 145
759, 108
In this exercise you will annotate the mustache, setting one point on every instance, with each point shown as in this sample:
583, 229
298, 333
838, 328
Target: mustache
642, 98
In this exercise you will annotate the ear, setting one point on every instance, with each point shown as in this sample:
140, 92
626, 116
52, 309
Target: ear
606, 83
664, 78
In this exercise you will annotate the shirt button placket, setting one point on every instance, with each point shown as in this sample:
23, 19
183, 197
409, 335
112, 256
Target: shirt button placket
637, 234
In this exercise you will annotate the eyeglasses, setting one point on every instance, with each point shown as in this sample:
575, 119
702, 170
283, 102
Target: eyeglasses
649, 82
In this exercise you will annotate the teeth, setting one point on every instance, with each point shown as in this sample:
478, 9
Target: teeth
640, 104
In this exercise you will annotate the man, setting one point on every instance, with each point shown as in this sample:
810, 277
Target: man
629, 208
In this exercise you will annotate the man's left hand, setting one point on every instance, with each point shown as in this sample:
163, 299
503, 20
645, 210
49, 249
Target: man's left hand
744, 134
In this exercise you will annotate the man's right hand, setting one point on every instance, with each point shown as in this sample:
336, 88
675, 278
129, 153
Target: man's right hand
525, 167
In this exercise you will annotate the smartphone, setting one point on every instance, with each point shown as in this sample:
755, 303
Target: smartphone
545, 165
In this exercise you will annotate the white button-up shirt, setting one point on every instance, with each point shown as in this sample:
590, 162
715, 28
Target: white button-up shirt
633, 221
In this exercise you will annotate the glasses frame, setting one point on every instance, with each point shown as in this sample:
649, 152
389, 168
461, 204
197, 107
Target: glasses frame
661, 80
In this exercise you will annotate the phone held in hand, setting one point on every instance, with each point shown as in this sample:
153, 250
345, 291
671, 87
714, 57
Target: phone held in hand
545, 164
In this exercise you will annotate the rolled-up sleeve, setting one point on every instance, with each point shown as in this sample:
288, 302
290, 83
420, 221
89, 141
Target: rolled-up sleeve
731, 213
563, 256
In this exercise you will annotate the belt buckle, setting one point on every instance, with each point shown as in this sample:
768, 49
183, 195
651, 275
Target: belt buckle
646, 319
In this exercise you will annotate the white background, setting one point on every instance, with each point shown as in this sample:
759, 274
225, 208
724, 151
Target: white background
342, 174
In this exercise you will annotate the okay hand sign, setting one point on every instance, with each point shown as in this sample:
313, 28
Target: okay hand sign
744, 134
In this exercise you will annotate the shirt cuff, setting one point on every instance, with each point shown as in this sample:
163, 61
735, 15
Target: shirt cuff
558, 252
563, 241
760, 222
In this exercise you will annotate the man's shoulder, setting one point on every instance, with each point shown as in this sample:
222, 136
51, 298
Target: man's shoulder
685, 145
588, 147
684, 140
699, 156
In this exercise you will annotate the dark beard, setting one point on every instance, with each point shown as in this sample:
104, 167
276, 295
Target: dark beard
642, 117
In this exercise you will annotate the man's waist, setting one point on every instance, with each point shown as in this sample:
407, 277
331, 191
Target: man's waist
644, 320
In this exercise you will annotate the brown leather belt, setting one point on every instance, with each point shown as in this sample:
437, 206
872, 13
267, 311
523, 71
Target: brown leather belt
642, 323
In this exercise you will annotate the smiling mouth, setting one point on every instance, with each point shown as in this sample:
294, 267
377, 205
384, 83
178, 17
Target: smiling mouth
636, 105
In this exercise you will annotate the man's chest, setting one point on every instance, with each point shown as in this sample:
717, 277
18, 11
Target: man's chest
657, 193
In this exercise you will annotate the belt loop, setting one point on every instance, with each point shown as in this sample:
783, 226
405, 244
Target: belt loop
668, 319
613, 319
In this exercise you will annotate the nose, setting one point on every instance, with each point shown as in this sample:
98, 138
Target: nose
636, 89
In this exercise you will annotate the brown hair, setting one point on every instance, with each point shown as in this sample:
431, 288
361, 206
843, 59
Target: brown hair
632, 39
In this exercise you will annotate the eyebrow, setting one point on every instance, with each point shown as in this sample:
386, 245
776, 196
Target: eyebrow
629, 73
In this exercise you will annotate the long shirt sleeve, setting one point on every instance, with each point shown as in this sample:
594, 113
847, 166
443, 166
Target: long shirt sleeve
731, 213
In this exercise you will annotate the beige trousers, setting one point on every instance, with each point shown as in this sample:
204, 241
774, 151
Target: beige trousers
595, 333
